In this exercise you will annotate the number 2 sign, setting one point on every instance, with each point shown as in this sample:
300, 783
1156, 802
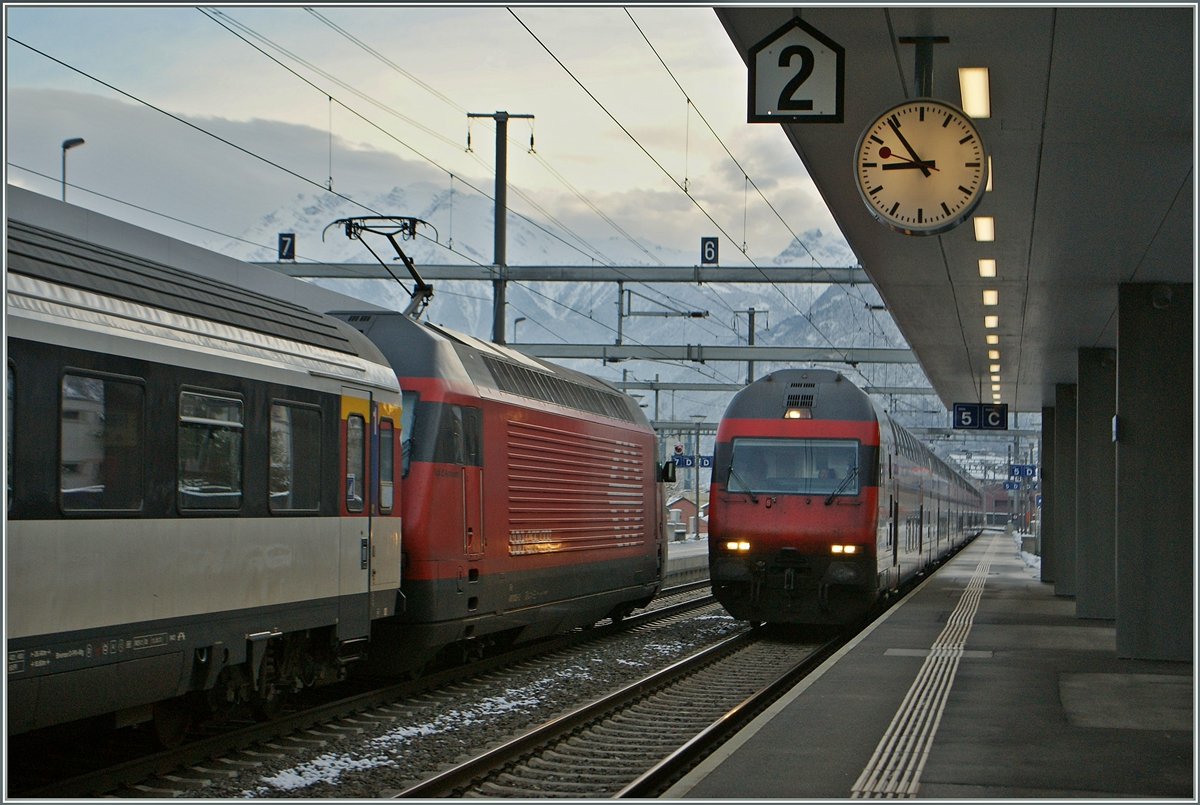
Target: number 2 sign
797, 75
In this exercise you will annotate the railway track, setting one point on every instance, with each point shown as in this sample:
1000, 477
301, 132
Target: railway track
636, 741
243, 746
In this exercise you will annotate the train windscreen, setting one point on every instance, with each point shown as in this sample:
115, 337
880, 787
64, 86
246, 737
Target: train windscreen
794, 466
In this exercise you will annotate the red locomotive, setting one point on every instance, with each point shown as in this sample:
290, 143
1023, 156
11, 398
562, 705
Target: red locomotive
821, 504
530, 499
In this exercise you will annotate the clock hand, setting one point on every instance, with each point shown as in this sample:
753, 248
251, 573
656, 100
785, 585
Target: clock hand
886, 153
896, 130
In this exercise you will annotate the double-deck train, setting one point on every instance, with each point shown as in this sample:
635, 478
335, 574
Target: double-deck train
821, 504
206, 488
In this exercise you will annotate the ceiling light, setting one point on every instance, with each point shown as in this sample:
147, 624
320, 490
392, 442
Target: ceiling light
995, 387
991, 322
993, 354
989, 184
973, 86
993, 339
991, 298
985, 228
995, 378
995, 367
987, 267
996, 397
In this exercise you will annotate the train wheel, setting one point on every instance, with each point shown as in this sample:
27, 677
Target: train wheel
172, 717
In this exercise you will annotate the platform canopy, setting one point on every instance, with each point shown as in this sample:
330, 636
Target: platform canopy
1091, 139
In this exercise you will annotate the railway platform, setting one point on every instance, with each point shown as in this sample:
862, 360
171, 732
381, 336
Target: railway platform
980, 684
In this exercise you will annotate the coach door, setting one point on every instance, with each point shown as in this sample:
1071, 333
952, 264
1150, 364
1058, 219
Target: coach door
384, 558
354, 551
472, 483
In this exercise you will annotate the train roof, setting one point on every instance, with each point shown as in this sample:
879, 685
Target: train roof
421, 349
68, 261
826, 393
53, 276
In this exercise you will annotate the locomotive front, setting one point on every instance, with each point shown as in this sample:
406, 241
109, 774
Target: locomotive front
794, 501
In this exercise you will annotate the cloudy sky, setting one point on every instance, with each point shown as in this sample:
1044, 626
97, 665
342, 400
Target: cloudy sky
402, 81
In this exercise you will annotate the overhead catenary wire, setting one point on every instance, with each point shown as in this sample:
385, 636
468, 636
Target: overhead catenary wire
749, 181
450, 102
250, 32
672, 179
273, 164
537, 157
213, 14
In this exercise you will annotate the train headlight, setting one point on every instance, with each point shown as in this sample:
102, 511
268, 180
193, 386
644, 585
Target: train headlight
737, 546
844, 548
797, 413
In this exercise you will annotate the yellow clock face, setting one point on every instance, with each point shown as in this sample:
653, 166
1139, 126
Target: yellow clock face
921, 167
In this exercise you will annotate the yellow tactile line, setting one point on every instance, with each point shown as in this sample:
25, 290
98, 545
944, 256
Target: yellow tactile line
895, 768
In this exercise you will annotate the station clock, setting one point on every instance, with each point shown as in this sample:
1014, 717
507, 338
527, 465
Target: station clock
921, 167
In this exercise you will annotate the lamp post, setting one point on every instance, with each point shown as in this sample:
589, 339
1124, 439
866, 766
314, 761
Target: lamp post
67, 146
516, 321
699, 419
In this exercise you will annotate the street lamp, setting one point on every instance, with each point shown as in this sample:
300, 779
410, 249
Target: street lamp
67, 146
516, 321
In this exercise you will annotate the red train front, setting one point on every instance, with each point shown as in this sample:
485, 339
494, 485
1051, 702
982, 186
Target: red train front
810, 483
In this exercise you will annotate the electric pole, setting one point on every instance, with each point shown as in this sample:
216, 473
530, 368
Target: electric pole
500, 259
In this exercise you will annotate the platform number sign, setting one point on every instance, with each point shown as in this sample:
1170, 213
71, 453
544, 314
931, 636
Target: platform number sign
287, 245
1022, 470
709, 251
797, 75
993, 417
966, 415
977, 416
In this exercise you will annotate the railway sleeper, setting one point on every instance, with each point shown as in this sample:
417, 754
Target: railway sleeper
579, 771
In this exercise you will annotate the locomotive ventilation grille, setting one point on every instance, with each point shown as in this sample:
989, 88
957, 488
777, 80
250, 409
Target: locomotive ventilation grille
573, 492
552, 389
802, 399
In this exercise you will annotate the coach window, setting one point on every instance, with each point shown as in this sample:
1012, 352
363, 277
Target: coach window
295, 476
450, 436
356, 462
473, 436
101, 441
210, 452
386, 461
407, 415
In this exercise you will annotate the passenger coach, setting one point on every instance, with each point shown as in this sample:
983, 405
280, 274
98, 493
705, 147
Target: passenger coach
821, 504
201, 507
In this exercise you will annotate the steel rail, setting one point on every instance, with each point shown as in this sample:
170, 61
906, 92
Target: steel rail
444, 783
664, 773
112, 777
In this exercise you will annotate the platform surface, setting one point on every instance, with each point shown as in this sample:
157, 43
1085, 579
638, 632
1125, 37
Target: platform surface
1016, 698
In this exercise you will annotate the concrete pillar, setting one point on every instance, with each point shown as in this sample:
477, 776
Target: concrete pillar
1046, 544
1155, 479
1096, 486
1064, 488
